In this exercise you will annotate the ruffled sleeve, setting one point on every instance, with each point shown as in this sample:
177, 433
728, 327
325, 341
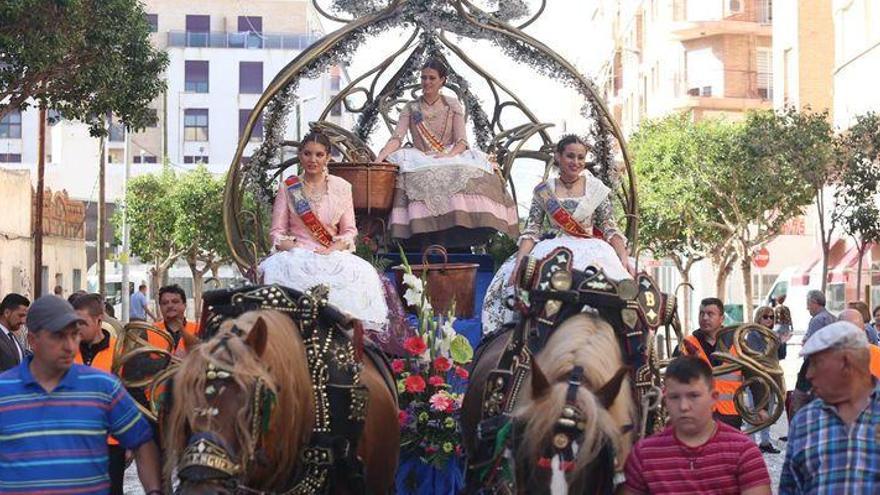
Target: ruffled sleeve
604, 221
402, 124
280, 216
346, 227
534, 222
459, 132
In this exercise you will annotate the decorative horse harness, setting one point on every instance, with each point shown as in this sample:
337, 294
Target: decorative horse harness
334, 367
547, 293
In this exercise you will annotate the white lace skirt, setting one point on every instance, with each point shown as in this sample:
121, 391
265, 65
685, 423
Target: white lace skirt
586, 252
355, 288
412, 160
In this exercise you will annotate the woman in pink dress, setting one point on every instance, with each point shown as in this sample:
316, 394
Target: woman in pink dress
446, 193
313, 232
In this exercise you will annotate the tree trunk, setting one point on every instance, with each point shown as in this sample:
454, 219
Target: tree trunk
684, 271
38, 211
746, 267
198, 284
725, 266
862, 247
102, 221
825, 236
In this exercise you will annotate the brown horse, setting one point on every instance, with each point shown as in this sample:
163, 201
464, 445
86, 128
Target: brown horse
243, 404
602, 403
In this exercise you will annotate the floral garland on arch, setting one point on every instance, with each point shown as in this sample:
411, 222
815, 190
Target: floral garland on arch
431, 379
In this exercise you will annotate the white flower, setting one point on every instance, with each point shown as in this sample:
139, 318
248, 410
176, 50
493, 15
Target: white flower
413, 282
413, 297
448, 333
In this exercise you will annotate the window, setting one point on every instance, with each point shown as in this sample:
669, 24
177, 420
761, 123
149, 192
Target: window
77, 279
10, 125
765, 73
153, 21
197, 30
154, 118
145, 159
336, 110
335, 82
116, 132
243, 116
250, 77
10, 157
195, 124
734, 6
705, 73
252, 29
196, 76
192, 160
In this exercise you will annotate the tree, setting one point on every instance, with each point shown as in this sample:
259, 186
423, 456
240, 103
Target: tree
83, 58
152, 217
858, 158
198, 198
675, 220
753, 170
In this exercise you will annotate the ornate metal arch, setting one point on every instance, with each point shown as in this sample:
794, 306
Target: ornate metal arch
250, 182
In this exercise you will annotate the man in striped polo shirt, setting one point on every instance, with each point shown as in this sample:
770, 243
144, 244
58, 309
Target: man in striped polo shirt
695, 454
55, 415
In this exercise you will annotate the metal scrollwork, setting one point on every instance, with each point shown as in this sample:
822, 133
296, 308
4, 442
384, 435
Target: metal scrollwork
755, 355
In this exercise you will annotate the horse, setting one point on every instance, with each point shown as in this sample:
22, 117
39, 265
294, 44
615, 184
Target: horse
601, 404
243, 409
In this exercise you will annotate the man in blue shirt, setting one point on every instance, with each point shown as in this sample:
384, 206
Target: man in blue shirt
832, 441
139, 308
55, 415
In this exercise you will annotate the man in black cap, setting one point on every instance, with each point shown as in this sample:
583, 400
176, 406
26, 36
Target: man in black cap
56, 415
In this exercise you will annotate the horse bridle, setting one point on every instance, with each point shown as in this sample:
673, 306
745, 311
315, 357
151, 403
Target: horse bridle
207, 450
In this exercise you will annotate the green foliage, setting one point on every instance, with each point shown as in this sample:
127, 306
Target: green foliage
501, 247
858, 158
675, 216
151, 216
198, 198
84, 58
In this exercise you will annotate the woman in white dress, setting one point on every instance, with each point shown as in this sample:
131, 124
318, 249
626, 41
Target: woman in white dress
572, 210
447, 193
313, 232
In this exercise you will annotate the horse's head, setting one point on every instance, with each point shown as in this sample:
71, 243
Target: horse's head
573, 426
227, 395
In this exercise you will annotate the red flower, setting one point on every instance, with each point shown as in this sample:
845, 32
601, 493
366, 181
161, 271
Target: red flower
461, 372
398, 365
414, 384
415, 345
402, 418
442, 365
436, 381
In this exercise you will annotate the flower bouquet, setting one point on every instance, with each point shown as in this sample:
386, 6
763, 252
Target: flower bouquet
431, 379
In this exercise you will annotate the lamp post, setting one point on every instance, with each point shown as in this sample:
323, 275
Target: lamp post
299, 103
126, 298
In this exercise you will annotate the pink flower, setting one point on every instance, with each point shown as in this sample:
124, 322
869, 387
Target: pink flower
441, 402
402, 418
398, 365
461, 372
414, 384
442, 365
415, 346
436, 381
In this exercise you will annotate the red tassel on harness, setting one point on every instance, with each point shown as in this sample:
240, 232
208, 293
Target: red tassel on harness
567, 466
544, 462
358, 340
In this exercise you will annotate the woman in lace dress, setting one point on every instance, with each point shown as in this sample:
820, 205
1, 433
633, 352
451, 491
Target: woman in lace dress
313, 231
572, 210
446, 193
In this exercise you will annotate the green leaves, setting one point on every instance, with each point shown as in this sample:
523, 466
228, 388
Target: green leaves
858, 159
84, 58
460, 350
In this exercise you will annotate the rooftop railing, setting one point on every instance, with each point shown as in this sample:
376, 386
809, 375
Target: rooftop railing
245, 40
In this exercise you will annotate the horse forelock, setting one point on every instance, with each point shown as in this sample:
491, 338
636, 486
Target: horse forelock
586, 341
283, 370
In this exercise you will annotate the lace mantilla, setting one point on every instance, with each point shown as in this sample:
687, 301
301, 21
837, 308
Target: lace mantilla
434, 186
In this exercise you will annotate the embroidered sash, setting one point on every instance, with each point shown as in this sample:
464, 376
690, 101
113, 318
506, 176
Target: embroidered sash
560, 216
426, 133
300, 206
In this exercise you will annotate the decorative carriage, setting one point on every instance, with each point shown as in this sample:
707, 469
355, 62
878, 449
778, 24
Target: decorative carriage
508, 129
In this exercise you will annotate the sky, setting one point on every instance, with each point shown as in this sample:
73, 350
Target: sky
565, 26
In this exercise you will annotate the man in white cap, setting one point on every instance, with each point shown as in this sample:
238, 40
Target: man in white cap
832, 441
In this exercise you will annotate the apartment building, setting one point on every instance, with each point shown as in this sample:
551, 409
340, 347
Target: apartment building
803, 54
856, 59
712, 58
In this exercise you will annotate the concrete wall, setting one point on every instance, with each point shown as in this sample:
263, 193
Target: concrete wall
15, 232
857, 59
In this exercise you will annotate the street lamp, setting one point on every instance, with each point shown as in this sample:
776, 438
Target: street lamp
299, 103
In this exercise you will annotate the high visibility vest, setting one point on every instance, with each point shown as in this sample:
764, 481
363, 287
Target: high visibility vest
155, 340
103, 361
725, 384
875, 360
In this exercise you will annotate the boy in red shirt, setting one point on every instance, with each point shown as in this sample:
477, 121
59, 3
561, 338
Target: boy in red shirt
695, 453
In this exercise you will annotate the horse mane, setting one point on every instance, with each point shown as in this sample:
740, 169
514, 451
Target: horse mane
284, 370
590, 342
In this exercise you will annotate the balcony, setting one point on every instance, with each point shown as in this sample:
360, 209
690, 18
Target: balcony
694, 19
244, 40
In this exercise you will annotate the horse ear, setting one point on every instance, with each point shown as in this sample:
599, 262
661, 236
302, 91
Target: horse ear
609, 391
540, 385
257, 337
